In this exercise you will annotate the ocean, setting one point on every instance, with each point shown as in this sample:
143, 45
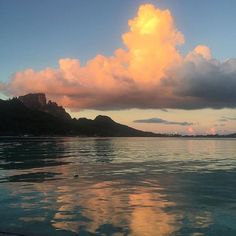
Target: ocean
118, 186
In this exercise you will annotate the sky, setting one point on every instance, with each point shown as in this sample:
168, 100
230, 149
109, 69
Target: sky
162, 66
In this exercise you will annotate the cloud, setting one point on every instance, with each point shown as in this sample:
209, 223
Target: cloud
149, 73
207, 83
164, 110
211, 131
161, 121
219, 125
191, 131
200, 50
2, 86
227, 118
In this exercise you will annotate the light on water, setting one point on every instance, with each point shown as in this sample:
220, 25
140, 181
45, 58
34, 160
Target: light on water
118, 186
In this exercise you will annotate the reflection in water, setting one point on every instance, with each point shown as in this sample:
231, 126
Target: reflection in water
133, 211
149, 216
120, 186
27, 154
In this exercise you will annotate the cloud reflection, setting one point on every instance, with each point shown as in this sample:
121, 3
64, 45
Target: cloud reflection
137, 211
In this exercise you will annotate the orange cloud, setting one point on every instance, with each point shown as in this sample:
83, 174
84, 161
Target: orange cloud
212, 131
199, 54
149, 73
204, 51
191, 131
151, 44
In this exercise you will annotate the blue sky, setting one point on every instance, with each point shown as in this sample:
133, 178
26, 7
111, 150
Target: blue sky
37, 33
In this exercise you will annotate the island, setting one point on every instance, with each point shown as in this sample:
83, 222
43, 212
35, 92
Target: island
33, 115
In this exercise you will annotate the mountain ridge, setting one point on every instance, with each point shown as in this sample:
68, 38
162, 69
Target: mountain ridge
22, 117
19, 117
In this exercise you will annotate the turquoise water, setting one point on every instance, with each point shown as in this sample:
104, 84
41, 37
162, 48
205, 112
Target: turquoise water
118, 186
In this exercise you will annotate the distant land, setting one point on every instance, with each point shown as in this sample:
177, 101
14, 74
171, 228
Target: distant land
32, 115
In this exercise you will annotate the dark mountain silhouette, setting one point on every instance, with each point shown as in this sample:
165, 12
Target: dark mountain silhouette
38, 101
32, 115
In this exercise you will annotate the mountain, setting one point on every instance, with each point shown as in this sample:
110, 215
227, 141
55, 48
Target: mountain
17, 119
38, 101
105, 126
33, 115
232, 135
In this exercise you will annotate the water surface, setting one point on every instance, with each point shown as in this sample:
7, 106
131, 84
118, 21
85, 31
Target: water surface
118, 186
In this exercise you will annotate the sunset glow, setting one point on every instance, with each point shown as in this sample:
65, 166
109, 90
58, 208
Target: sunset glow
117, 118
148, 72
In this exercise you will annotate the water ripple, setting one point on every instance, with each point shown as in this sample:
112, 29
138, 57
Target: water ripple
118, 186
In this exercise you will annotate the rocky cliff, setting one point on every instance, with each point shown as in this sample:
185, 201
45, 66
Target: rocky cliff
34, 100
38, 101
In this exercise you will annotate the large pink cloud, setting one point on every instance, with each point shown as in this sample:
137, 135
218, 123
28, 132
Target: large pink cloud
149, 73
